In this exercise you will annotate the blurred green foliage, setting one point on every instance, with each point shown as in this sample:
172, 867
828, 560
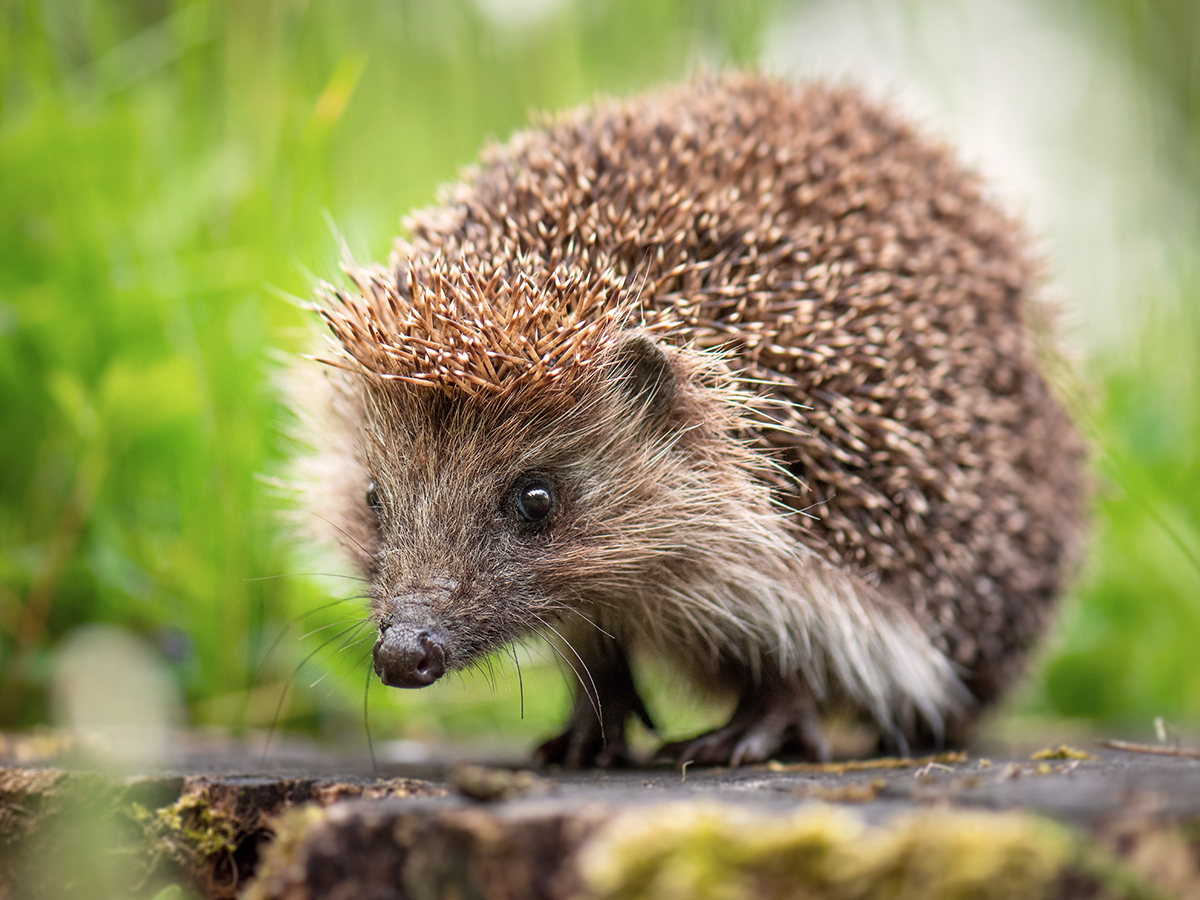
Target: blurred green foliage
168, 171
1128, 646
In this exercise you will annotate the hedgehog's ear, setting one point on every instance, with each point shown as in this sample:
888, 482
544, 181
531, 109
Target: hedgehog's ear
644, 375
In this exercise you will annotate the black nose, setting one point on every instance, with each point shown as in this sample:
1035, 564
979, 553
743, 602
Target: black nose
409, 657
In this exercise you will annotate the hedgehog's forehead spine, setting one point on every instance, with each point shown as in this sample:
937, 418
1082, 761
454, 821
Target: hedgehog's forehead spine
523, 324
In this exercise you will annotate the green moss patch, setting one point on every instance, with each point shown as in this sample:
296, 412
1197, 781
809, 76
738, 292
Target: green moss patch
714, 852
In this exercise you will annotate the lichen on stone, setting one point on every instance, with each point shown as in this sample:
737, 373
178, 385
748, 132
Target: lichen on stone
714, 852
189, 831
1062, 751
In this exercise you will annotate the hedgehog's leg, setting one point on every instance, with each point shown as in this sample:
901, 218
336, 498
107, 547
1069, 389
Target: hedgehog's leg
605, 699
774, 716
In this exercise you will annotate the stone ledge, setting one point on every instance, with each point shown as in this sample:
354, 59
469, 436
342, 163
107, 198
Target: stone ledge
1117, 824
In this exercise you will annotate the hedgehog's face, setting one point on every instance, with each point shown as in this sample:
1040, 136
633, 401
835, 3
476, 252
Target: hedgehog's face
488, 520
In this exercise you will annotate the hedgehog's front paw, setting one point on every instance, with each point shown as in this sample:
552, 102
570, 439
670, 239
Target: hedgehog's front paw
595, 733
582, 745
769, 720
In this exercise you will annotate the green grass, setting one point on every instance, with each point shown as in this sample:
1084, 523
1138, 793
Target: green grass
168, 170
1128, 642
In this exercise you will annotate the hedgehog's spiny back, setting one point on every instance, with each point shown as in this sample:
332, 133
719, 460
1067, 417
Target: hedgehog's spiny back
857, 269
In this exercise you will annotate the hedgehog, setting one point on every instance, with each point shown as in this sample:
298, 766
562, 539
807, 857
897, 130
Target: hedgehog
734, 376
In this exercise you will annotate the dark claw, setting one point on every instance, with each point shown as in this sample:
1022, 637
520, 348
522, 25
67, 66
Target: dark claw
573, 750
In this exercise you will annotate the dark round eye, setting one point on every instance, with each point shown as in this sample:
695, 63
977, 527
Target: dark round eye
535, 501
373, 498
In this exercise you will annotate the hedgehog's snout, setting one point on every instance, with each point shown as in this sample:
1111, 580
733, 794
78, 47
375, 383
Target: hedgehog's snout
408, 656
